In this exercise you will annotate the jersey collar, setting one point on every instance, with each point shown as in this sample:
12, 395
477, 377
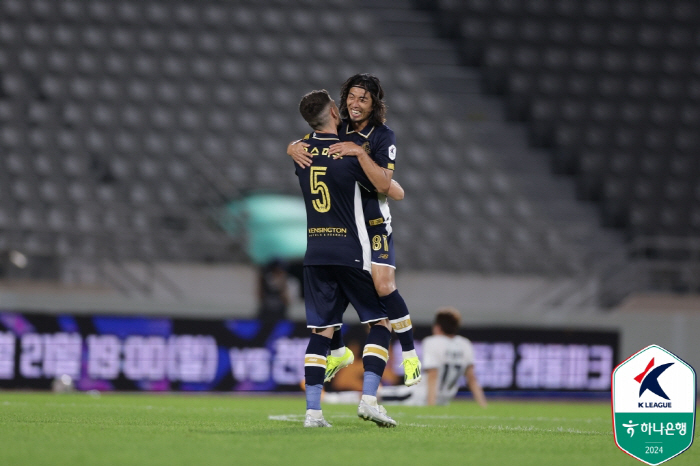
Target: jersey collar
325, 136
364, 132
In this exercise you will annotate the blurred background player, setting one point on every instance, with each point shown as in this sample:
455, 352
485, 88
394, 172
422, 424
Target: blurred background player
364, 135
447, 357
337, 263
273, 291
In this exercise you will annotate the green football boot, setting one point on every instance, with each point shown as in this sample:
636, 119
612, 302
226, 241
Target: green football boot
334, 364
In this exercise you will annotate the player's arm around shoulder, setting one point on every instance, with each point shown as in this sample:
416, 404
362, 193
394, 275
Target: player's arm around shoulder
297, 150
395, 192
378, 176
384, 156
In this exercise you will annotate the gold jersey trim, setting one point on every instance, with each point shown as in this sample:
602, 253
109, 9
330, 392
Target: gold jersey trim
325, 139
349, 131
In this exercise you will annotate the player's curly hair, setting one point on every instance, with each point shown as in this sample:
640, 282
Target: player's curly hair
371, 84
448, 319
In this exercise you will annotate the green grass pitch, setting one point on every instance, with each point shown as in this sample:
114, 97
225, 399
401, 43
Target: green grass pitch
207, 430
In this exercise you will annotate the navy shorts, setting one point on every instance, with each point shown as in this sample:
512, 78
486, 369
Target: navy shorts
328, 289
382, 245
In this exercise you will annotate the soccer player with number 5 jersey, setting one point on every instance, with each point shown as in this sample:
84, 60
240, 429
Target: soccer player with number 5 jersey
364, 135
337, 262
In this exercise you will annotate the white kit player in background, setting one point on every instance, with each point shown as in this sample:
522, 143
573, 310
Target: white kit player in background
447, 357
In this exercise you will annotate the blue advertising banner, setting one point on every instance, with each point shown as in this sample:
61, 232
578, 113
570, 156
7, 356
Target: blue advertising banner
158, 354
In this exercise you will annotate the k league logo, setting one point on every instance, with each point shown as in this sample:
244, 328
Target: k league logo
653, 404
650, 382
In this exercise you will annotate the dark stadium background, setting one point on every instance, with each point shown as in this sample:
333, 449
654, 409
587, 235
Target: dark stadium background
548, 149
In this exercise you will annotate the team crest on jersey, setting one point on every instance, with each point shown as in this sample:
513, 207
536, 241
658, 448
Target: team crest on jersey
365, 146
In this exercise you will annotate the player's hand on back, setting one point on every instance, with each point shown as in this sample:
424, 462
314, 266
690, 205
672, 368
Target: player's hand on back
347, 148
300, 156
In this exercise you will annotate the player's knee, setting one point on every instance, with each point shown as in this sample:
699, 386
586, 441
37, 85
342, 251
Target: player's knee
385, 287
383, 323
324, 332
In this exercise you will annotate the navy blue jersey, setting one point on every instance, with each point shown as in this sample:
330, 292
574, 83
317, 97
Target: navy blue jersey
336, 232
380, 143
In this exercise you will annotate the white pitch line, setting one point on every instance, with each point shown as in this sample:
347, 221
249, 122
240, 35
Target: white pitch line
298, 417
502, 428
15, 403
287, 417
513, 418
559, 429
537, 429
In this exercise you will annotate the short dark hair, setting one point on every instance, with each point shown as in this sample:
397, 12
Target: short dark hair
312, 108
448, 319
371, 84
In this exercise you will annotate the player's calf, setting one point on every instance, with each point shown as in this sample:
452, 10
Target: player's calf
374, 358
314, 372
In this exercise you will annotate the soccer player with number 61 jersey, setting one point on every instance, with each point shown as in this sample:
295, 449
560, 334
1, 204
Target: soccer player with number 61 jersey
364, 135
337, 263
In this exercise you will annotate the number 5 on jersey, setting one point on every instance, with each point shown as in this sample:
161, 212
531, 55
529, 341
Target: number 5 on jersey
319, 187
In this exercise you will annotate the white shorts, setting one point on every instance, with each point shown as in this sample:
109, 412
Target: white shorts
403, 395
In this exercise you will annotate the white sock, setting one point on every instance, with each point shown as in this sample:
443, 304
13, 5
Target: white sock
370, 400
338, 353
315, 413
409, 354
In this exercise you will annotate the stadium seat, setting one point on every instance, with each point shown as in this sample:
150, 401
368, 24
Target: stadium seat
186, 15
23, 190
15, 8
215, 15
575, 110
616, 61
472, 183
58, 219
140, 222
7, 218
167, 194
103, 116
50, 192
87, 219
157, 14
209, 44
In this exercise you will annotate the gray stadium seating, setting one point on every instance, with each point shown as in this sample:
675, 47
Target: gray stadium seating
604, 84
123, 122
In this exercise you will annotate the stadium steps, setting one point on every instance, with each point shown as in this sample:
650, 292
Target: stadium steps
415, 34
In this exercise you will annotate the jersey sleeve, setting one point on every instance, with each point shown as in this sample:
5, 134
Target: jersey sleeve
468, 352
385, 151
431, 354
359, 174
